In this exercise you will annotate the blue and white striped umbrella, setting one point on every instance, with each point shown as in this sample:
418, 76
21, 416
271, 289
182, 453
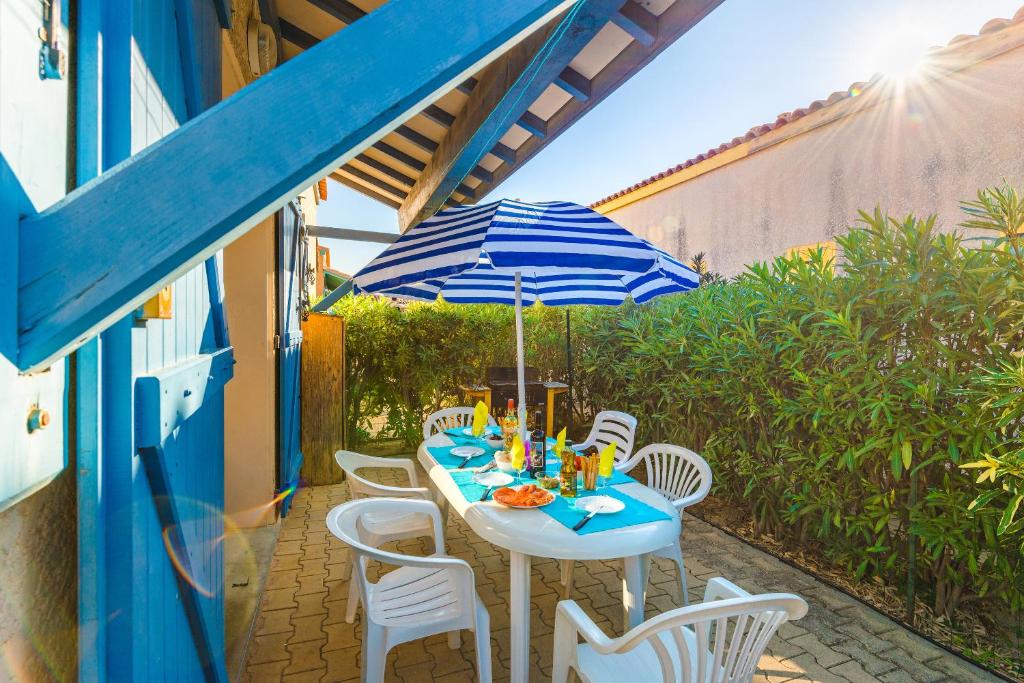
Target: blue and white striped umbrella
566, 253
510, 252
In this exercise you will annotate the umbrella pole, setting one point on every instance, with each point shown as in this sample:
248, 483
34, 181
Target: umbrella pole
568, 362
520, 357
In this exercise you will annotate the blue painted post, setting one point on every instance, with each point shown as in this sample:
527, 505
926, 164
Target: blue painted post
92, 568
195, 103
186, 196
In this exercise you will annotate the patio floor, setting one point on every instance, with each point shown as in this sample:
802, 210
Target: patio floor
301, 635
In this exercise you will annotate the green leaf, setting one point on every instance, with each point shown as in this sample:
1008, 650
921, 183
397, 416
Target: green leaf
1009, 513
907, 455
983, 499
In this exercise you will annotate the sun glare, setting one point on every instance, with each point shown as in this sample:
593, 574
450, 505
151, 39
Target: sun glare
897, 51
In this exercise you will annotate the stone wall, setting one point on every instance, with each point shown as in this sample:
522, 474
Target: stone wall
38, 585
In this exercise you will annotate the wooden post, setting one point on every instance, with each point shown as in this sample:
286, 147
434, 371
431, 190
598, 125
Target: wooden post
323, 397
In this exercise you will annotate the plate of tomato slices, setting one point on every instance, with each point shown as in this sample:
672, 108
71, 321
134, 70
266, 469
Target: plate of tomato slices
523, 497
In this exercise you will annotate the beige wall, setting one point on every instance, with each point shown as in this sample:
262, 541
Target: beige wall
250, 441
250, 399
922, 152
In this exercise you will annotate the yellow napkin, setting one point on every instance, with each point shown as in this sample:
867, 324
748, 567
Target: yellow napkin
560, 443
518, 453
479, 418
607, 460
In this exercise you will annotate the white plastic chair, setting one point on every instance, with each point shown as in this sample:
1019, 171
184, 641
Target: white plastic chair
684, 478
381, 528
421, 597
449, 418
612, 425
720, 640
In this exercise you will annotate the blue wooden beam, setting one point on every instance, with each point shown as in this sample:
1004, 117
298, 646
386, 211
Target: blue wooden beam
533, 124
192, 78
507, 89
504, 152
574, 83
638, 22
165, 210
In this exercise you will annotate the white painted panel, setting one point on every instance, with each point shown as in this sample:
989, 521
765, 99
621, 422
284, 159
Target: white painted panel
33, 175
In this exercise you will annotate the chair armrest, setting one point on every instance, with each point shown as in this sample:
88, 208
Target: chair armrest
366, 487
570, 621
723, 589
391, 463
629, 463
692, 499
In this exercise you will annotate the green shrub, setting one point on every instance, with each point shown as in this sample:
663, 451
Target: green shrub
861, 407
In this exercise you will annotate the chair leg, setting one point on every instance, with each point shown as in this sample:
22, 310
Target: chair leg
454, 640
677, 557
482, 639
566, 640
353, 593
568, 568
374, 655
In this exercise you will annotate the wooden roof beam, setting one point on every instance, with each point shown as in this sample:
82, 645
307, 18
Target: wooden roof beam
342, 10
296, 36
574, 83
533, 124
414, 163
638, 22
368, 191
673, 23
501, 98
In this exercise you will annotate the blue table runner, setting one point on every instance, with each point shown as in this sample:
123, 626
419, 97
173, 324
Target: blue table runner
561, 510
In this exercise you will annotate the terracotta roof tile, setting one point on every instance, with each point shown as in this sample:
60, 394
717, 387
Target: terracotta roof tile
855, 89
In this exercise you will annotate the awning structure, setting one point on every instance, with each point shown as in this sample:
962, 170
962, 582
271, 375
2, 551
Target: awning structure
412, 102
469, 139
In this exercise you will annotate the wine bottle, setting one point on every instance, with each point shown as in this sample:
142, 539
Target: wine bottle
538, 448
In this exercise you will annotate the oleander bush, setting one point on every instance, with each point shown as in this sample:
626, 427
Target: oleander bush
867, 408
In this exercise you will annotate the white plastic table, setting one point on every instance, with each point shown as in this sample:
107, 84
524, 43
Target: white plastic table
532, 533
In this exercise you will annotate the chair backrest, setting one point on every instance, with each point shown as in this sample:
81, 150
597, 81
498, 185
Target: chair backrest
728, 636
677, 473
448, 418
346, 522
612, 425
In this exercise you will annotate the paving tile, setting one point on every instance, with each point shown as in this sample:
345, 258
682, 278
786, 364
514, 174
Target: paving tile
301, 633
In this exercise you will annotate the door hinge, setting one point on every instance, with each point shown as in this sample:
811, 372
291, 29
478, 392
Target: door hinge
277, 341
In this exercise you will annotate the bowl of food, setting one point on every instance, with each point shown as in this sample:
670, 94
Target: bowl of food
494, 441
547, 482
504, 461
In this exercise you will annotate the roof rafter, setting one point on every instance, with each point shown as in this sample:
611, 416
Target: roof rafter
497, 103
673, 23
638, 22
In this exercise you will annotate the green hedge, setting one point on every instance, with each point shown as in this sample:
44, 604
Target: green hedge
838, 406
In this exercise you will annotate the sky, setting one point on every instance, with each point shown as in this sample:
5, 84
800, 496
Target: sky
744, 64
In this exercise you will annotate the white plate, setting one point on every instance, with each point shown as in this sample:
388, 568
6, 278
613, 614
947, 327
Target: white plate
492, 479
466, 451
605, 505
468, 431
523, 507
